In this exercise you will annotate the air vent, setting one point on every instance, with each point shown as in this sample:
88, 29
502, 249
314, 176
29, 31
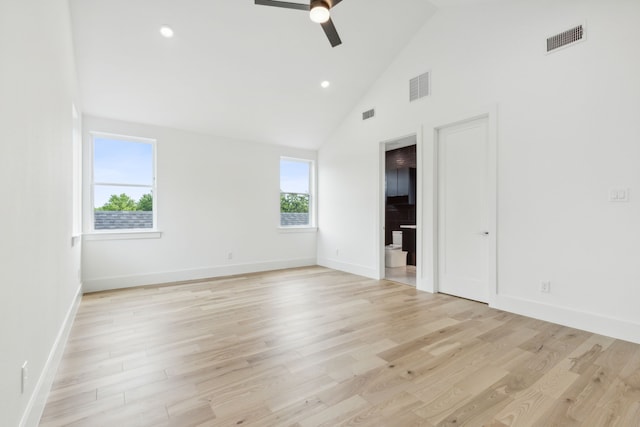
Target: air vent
419, 87
565, 38
368, 114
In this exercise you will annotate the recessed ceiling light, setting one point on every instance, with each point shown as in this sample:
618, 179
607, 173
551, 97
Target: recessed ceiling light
166, 31
325, 84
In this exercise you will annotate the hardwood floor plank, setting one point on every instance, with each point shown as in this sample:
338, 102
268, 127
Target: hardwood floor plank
576, 402
78, 413
333, 414
312, 346
389, 409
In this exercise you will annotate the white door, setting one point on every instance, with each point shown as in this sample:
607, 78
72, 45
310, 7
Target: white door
463, 234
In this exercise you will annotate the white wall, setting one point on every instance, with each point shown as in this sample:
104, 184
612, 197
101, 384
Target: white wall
214, 196
568, 132
39, 267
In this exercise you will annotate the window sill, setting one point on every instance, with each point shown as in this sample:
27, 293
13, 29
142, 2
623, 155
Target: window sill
122, 235
75, 239
297, 229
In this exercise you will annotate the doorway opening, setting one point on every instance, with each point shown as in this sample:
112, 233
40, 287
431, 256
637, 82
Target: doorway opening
400, 160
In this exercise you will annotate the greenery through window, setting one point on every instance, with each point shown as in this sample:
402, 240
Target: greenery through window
295, 192
123, 202
123, 183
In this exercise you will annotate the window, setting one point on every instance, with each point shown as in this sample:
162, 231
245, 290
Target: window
123, 183
296, 196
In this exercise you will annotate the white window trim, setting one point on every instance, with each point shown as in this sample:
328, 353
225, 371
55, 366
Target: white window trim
127, 233
312, 227
76, 142
298, 229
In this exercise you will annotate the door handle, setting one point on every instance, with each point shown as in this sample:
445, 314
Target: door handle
484, 233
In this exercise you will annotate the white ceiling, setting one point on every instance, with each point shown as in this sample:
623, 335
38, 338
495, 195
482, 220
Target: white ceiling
233, 68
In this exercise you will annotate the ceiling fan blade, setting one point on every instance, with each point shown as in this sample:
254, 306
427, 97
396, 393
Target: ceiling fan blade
333, 3
332, 33
284, 4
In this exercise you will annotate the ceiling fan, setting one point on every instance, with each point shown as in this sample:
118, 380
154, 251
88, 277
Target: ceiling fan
318, 12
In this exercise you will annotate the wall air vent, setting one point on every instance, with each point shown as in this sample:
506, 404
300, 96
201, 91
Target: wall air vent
368, 114
419, 87
566, 38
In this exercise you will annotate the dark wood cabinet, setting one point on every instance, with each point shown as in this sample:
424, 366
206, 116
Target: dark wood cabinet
392, 183
409, 244
401, 186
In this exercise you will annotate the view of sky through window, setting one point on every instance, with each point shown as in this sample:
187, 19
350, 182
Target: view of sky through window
121, 162
294, 176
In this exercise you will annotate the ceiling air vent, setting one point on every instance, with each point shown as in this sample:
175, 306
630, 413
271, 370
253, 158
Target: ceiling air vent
368, 114
565, 38
419, 87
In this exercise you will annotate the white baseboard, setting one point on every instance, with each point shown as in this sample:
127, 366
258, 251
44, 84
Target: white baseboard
359, 270
120, 282
596, 323
38, 399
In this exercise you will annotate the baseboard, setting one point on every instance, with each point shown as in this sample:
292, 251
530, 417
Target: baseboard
359, 270
120, 282
596, 323
38, 400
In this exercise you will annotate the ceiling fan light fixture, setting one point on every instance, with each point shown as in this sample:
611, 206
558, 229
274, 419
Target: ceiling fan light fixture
319, 12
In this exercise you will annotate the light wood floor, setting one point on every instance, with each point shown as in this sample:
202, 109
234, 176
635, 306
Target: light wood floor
406, 275
313, 346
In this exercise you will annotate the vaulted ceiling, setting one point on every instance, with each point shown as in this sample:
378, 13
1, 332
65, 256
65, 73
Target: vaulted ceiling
234, 68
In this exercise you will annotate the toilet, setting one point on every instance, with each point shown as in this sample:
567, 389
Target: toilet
394, 256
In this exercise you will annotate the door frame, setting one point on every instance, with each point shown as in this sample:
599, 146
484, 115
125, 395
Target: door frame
382, 203
431, 185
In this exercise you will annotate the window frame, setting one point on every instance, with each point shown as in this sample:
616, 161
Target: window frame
124, 232
311, 226
76, 147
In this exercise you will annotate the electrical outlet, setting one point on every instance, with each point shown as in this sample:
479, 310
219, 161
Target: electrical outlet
545, 287
25, 376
